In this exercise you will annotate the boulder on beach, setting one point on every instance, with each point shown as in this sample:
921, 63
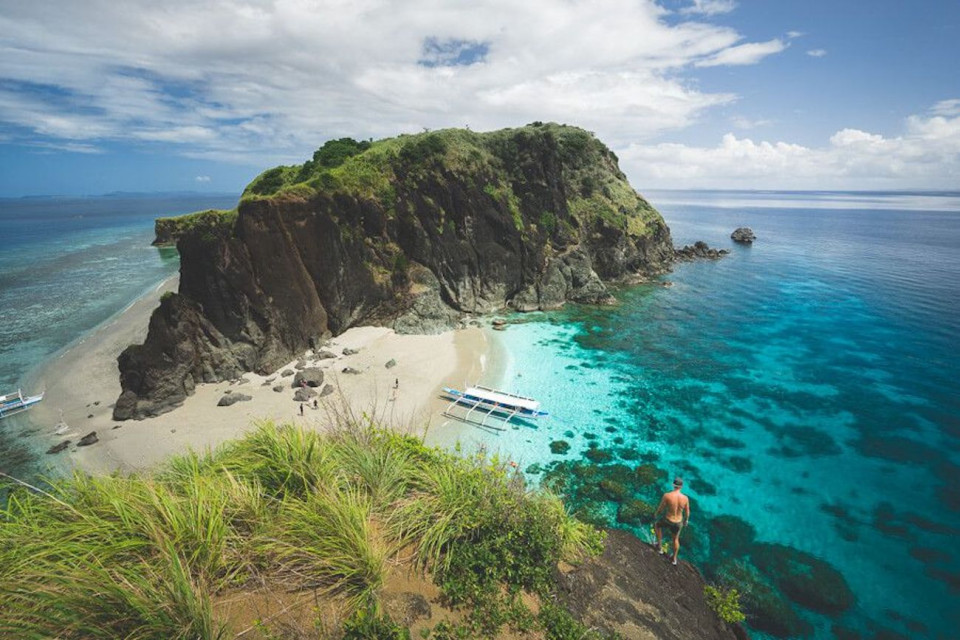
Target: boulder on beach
89, 439
743, 235
347, 351
232, 398
57, 448
311, 377
391, 363
304, 394
351, 370
326, 355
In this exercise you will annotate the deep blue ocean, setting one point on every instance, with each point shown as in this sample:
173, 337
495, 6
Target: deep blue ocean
66, 266
805, 388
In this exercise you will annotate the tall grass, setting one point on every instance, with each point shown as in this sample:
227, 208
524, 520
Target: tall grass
143, 556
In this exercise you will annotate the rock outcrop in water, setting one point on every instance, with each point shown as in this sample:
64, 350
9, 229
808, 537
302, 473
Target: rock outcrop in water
743, 235
408, 232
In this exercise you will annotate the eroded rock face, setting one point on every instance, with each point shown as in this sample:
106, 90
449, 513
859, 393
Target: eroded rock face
635, 592
456, 223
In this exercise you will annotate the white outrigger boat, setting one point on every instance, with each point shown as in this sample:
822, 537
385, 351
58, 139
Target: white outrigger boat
13, 403
483, 403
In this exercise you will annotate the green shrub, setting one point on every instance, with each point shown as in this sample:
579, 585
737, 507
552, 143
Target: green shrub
725, 602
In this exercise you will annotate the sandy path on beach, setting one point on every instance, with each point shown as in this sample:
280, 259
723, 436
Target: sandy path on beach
83, 382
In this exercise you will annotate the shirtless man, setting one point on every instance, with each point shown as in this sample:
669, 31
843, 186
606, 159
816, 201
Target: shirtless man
676, 514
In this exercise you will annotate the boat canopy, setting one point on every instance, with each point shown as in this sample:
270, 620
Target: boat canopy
502, 398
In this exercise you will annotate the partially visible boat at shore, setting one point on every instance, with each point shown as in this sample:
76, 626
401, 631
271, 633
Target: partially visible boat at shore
14, 403
483, 403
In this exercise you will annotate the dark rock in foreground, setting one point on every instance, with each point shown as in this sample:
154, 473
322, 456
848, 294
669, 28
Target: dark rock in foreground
635, 592
743, 235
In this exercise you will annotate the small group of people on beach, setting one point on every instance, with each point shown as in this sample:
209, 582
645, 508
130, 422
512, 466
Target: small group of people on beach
675, 507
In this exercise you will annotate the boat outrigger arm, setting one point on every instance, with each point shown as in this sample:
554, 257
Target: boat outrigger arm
484, 404
14, 403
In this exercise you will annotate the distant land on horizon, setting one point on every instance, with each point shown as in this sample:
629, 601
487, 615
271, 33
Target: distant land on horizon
204, 194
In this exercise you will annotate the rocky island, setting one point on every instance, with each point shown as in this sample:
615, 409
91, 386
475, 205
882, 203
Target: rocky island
410, 233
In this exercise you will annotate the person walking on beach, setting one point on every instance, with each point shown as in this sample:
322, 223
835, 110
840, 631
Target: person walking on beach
676, 514
301, 408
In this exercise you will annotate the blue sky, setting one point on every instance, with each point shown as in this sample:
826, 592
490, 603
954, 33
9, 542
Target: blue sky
99, 96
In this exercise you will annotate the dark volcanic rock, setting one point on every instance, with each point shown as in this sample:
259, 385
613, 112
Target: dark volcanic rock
60, 446
232, 398
699, 251
446, 224
311, 376
743, 235
351, 371
635, 592
89, 439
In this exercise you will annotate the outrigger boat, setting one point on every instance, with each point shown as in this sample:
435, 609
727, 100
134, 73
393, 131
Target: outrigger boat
483, 403
14, 403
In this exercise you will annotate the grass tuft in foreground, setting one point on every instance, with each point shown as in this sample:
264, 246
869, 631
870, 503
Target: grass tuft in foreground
147, 556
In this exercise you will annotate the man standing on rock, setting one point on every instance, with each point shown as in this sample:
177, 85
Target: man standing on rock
676, 514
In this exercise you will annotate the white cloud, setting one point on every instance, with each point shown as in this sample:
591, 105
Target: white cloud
817, 53
710, 7
947, 108
749, 53
269, 81
926, 155
71, 147
202, 178
746, 123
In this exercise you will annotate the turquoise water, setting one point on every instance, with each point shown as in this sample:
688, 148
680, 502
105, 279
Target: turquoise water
66, 266
805, 388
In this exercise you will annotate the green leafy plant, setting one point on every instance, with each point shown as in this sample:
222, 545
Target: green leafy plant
725, 602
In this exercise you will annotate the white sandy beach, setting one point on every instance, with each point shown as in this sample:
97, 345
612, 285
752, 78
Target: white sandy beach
83, 383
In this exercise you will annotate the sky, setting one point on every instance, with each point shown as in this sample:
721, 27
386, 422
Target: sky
98, 96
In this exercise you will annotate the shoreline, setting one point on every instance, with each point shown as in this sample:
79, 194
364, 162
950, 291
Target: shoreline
81, 383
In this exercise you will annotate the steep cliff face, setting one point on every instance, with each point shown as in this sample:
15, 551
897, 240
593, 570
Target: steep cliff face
408, 232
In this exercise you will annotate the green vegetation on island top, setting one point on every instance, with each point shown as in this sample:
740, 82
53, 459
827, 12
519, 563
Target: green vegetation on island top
286, 511
495, 162
169, 230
